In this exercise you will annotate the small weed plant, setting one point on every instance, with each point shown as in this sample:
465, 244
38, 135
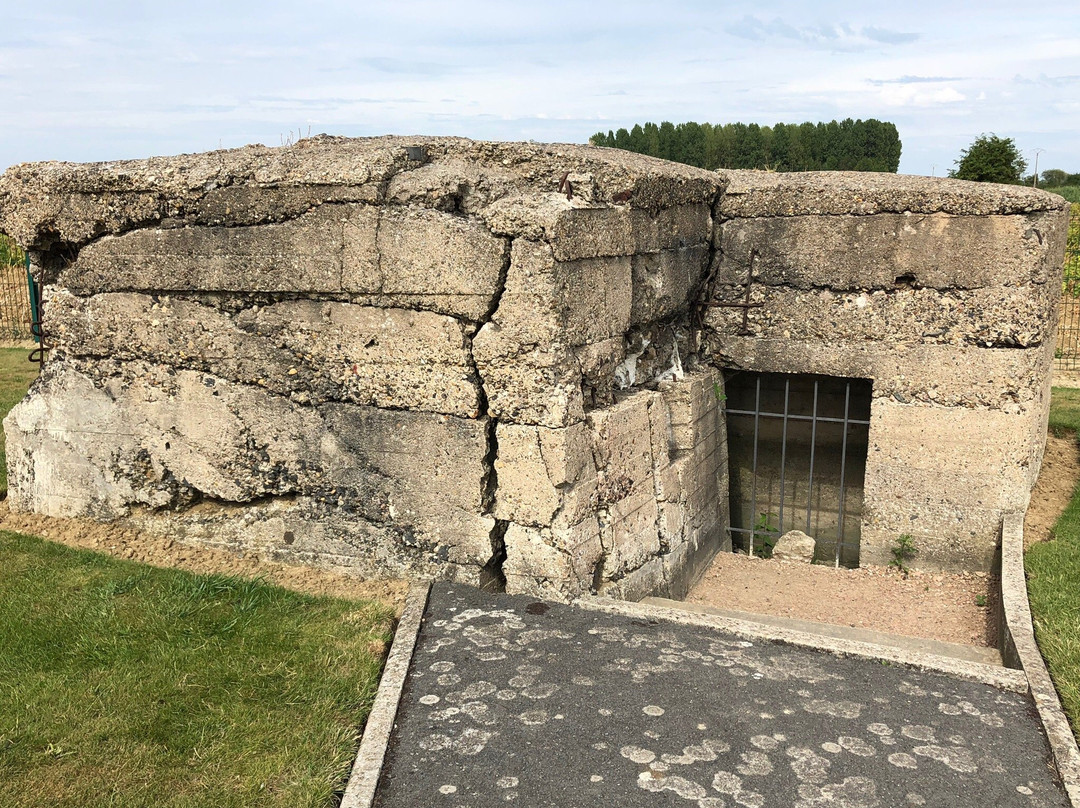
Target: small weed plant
768, 533
903, 550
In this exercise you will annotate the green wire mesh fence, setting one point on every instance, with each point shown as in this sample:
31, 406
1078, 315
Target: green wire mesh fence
1067, 351
15, 305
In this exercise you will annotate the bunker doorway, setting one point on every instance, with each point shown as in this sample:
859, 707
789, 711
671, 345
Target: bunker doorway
797, 452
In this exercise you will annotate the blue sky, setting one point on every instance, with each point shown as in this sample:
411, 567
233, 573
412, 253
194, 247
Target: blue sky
107, 80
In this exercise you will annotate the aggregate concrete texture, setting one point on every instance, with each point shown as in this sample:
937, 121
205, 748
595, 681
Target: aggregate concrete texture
514, 700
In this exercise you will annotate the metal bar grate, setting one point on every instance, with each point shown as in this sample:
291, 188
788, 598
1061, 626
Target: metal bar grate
797, 445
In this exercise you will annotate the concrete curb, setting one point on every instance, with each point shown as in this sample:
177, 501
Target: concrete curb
360, 792
1021, 645
921, 645
1002, 678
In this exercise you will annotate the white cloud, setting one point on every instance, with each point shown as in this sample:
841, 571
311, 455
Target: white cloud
126, 80
907, 95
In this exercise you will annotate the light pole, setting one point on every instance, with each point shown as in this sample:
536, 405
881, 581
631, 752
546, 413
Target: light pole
1035, 176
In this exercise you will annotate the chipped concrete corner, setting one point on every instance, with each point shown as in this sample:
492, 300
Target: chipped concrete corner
497, 363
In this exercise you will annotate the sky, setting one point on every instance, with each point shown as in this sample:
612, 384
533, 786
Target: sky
108, 80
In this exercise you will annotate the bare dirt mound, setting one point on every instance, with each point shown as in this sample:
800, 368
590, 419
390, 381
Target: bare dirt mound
1054, 488
120, 542
931, 605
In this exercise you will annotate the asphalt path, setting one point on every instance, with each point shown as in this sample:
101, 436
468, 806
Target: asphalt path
511, 700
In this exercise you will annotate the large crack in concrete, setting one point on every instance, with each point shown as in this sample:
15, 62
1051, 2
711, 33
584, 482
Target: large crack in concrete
492, 577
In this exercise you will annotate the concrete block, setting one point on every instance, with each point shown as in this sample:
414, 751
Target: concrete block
622, 446
598, 362
143, 434
313, 350
659, 432
246, 205
638, 583
946, 537
1008, 490
671, 228
629, 533
426, 259
671, 524
524, 354
577, 302
558, 561
939, 251
591, 233
990, 317
686, 563
301, 255
859, 193
1008, 379
574, 228
664, 282
675, 479
534, 384
304, 530
694, 396
947, 440
530, 553
542, 472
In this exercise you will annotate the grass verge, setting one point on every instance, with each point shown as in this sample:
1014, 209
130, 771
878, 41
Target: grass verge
128, 685
1064, 411
16, 373
1053, 570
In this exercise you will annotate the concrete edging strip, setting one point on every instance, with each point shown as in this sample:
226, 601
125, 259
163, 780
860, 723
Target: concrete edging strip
1014, 598
360, 792
1002, 678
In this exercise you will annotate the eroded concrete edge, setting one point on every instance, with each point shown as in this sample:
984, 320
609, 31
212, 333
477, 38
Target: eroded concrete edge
1021, 634
1002, 678
360, 791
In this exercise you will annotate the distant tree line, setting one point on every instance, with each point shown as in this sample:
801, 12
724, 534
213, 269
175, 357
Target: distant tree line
847, 145
1056, 178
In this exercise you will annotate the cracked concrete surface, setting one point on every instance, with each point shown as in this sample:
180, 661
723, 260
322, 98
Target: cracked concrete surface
514, 700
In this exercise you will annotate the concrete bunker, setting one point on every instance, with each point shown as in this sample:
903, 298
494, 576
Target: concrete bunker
504, 363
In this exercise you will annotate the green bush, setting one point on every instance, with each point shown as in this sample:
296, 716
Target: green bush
1070, 192
10, 252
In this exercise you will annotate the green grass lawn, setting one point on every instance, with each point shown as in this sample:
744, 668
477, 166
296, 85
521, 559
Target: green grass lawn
127, 685
1053, 572
1064, 411
16, 373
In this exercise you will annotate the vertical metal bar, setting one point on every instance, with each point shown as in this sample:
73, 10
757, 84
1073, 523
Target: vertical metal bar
32, 299
753, 483
813, 442
783, 453
843, 462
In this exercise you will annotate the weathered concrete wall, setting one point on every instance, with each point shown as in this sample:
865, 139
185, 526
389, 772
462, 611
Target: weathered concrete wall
411, 357
487, 362
941, 292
